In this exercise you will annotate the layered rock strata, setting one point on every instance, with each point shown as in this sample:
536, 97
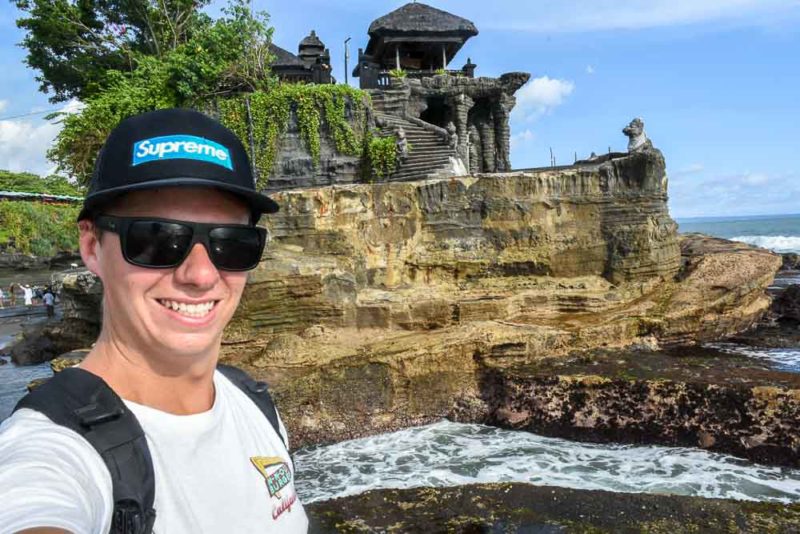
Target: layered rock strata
382, 306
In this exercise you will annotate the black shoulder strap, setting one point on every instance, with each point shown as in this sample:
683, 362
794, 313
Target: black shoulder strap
257, 391
83, 402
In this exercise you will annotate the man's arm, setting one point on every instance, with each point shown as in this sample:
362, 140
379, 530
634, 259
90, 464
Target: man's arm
51, 479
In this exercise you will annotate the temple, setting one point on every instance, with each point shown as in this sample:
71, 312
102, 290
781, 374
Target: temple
453, 122
312, 64
406, 68
416, 38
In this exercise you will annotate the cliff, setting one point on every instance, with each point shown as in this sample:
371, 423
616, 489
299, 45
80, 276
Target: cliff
383, 305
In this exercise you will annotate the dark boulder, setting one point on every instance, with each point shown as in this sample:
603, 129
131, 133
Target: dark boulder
34, 347
791, 261
787, 304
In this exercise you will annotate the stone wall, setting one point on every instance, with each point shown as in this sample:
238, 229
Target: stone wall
294, 166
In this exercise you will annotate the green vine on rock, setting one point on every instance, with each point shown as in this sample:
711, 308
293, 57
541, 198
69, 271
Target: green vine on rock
339, 109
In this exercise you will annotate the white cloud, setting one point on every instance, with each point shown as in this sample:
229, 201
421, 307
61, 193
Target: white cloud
3, 105
522, 138
589, 69
694, 168
24, 142
746, 193
549, 16
755, 178
541, 95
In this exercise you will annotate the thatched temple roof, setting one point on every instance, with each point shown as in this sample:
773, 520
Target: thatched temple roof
284, 58
421, 18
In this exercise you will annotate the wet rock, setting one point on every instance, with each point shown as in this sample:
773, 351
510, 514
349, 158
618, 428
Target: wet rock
81, 294
22, 262
719, 402
787, 304
70, 359
526, 508
33, 347
791, 261
36, 382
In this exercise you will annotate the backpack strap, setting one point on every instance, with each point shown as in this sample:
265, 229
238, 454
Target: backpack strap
258, 392
84, 403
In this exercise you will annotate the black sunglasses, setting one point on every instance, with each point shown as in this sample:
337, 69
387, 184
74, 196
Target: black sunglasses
163, 243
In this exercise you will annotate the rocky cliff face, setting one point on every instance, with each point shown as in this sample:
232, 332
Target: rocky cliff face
439, 253
383, 305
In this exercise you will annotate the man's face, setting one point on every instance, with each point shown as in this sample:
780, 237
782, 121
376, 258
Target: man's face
177, 312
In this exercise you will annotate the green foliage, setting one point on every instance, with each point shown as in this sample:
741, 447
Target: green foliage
265, 115
441, 72
37, 228
31, 183
398, 73
230, 55
382, 155
75, 43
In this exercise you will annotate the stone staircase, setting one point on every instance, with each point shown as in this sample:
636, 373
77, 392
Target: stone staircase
429, 154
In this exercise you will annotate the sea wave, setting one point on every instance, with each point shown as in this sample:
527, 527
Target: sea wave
776, 243
451, 454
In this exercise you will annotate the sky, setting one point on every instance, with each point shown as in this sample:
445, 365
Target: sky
717, 83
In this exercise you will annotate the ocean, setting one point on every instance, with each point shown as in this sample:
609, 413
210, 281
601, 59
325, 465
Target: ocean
779, 233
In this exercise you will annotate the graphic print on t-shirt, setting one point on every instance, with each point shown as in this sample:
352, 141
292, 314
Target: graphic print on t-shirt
278, 476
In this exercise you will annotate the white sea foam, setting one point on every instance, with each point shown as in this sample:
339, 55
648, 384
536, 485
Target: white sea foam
449, 454
784, 359
777, 243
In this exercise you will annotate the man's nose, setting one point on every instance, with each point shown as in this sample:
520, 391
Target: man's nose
197, 269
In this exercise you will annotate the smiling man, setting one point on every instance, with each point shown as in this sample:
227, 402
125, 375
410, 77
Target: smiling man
150, 434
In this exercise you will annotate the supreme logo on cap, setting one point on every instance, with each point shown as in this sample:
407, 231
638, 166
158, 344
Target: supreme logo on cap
181, 147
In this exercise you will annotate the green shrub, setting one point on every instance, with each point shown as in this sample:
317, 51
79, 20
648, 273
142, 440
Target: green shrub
382, 155
38, 228
398, 73
27, 182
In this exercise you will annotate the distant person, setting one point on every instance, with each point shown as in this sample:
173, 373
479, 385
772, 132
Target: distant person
12, 296
49, 301
2, 297
27, 293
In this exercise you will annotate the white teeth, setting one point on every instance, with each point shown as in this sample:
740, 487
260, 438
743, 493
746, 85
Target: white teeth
189, 310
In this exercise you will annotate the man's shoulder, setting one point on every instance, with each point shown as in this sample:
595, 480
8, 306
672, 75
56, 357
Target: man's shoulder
31, 432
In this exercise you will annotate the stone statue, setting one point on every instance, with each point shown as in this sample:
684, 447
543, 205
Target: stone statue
402, 144
637, 139
453, 139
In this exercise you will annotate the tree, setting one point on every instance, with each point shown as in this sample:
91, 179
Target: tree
214, 58
75, 43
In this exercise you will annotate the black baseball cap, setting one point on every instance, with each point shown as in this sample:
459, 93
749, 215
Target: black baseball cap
172, 148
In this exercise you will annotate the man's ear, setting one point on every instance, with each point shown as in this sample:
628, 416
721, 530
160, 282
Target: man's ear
89, 243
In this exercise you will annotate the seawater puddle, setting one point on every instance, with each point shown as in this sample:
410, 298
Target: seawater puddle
14, 379
450, 454
783, 280
780, 359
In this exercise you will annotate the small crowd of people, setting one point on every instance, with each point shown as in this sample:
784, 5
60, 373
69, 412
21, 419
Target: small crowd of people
31, 295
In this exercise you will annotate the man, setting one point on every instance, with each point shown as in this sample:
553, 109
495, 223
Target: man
49, 302
12, 296
169, 227
27, 293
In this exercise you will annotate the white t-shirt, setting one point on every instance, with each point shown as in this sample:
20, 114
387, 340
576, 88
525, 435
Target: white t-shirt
221, 471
